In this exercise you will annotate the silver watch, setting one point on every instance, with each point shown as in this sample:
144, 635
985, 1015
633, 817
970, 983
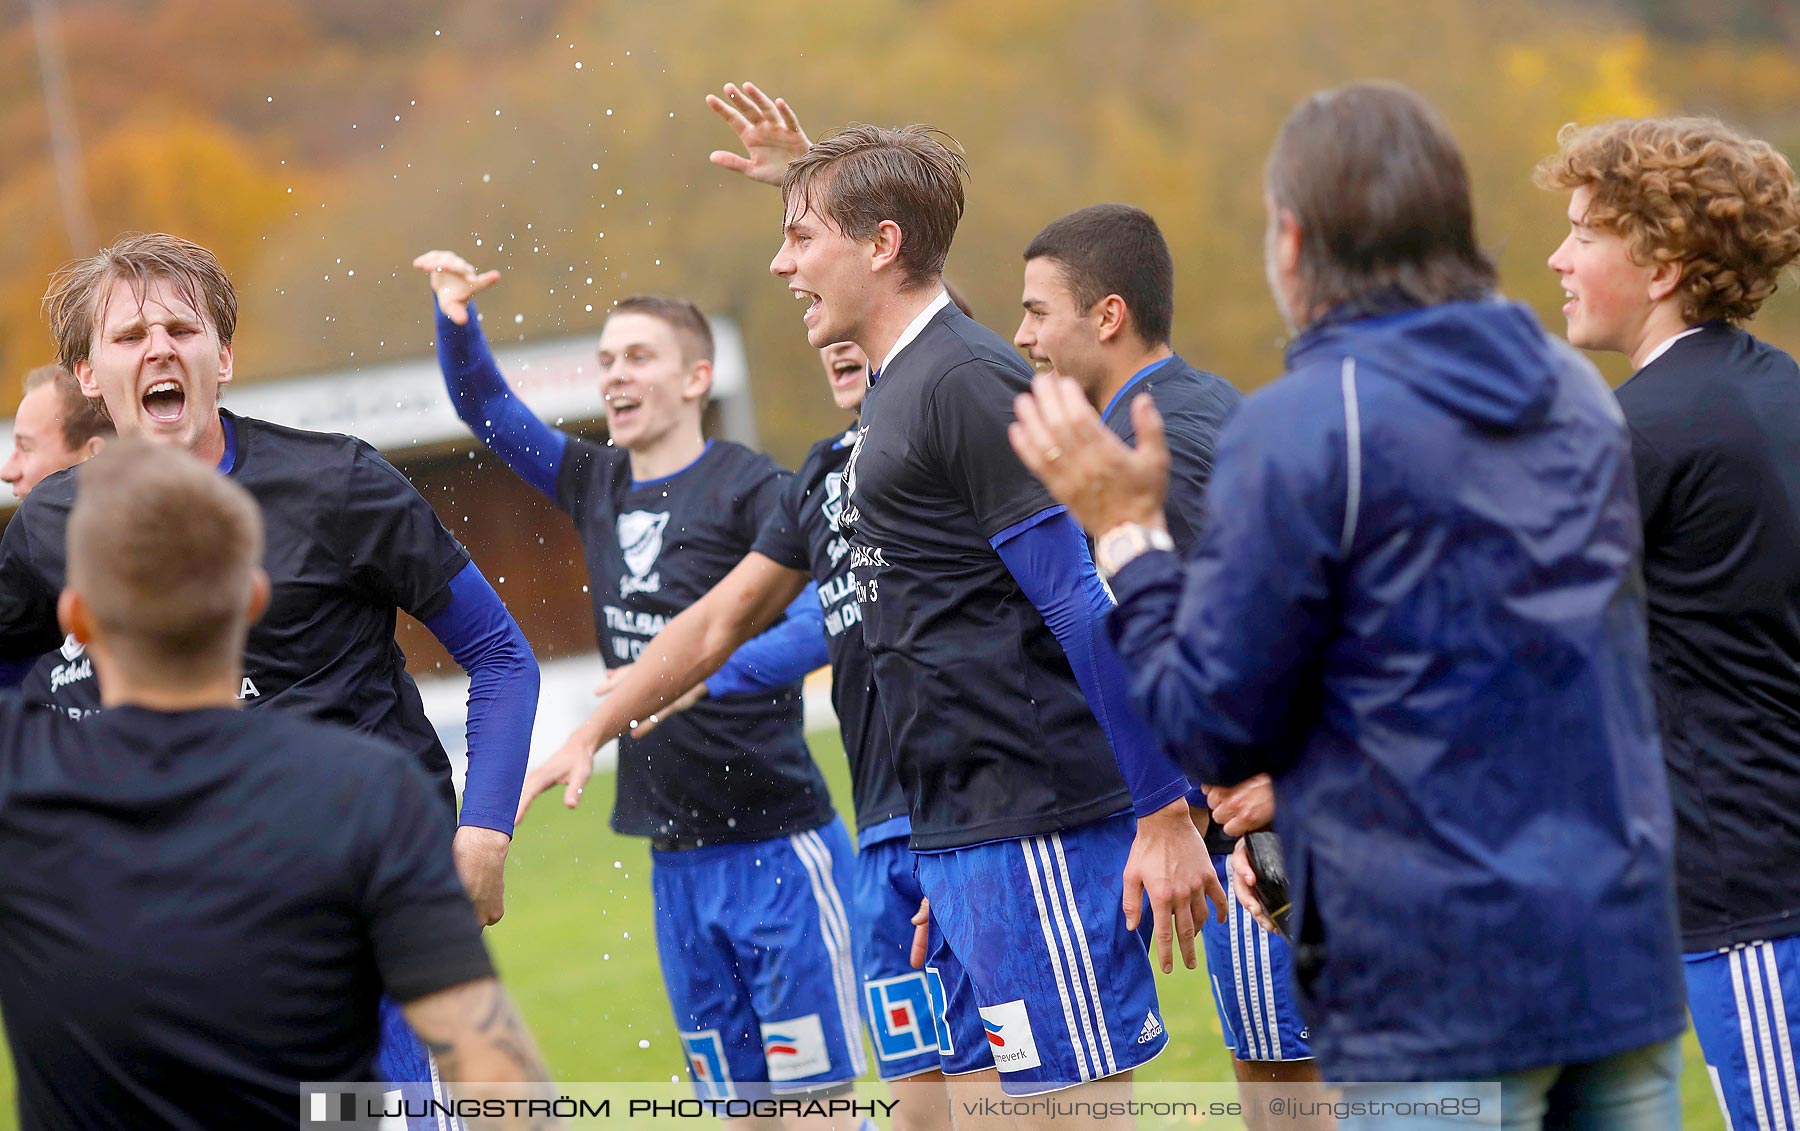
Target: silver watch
1118, 546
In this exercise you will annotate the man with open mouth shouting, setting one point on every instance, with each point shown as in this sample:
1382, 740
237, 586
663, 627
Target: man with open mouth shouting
146, 325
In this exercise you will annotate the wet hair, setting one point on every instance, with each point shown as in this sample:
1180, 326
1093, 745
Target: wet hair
72, 304
863, 175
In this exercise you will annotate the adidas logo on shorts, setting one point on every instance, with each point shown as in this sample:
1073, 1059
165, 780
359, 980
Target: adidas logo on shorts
1152, 1029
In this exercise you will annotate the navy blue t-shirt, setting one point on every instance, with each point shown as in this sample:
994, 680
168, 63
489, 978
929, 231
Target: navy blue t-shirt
992, 736
200, 910
1193, 404
729, 769
801, 533
1715, 441
348, 542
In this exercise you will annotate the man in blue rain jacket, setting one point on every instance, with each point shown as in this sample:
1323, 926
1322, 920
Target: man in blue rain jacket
1419, 607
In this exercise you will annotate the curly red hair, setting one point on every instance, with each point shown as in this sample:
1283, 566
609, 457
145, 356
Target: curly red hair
1688, 190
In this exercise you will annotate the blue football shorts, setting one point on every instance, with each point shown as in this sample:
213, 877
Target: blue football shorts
1745, 1001
896, 998
1252, 974
1032, 968
401, 1058
757, 957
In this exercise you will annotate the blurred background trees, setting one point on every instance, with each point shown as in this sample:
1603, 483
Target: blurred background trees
318, 146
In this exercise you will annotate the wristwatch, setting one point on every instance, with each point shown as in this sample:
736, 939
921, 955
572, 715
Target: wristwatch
1118, 546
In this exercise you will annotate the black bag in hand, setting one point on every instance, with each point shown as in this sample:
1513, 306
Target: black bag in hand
1264, 851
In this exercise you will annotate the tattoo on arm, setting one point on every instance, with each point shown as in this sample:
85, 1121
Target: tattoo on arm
481, 1044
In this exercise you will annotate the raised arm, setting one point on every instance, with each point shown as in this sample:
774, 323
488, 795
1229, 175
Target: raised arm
482, 398
688, 649
768, 129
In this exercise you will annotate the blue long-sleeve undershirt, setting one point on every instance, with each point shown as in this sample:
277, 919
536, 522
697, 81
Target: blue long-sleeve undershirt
484, 639
534, 450
781, 656
487, 404
1047, 555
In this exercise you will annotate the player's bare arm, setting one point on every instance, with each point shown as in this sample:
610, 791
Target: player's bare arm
480, 1041
616, 676
767, 127
455, 282
689, 648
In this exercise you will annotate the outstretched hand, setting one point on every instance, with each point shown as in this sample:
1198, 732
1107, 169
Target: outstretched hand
1102, 481
767, 127
455, 282
570, 767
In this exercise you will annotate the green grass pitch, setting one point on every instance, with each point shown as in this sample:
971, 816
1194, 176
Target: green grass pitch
578, 952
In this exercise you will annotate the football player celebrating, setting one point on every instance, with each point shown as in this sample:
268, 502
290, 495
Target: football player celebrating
147, 325
747, 854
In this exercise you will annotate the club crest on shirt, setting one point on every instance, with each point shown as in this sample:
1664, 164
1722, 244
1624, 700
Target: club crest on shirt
847, 514
834, 497
641, 540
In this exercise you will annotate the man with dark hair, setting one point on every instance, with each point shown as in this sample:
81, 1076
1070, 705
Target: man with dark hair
982, 614
202, 906
56, 426
1099, 299
748, 857
146, 325
1416, 606
1679, 229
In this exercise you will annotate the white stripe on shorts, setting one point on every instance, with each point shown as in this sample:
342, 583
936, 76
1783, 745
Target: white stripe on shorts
1251, 1036
1760, 1006
1268, 988
1045, 922
834, 928
1087, 960
1779, 1008
1254, 1020
1084, 1013
439, 1093
1747, 1032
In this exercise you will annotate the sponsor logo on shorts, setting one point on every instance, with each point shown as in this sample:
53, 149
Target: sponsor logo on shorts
901, 1016
1152, 1029
1009, 1036
795, 1049
706, 1061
